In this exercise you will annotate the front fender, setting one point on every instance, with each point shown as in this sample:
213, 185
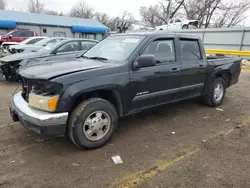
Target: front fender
71, 94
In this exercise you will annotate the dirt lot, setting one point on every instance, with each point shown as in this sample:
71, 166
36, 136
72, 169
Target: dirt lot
210, 148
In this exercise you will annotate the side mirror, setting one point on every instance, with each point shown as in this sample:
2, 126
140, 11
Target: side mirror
145, 61
10, 36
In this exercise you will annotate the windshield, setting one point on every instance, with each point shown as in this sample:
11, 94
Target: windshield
115, 48
25, 41
43, 42
31, 40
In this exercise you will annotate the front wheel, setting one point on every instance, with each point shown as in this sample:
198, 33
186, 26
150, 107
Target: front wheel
185, 27
216, 92
92, 123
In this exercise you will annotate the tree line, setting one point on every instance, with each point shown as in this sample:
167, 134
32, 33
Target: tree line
210, 13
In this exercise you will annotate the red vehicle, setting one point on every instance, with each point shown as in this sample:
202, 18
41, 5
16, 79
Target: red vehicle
17, 36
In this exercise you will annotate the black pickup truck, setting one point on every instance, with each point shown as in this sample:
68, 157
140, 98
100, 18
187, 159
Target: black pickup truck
123, 74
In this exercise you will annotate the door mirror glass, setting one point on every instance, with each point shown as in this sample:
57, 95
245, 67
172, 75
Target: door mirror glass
145, 61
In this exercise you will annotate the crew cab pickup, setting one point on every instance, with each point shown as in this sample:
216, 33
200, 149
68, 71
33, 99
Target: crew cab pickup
122, 75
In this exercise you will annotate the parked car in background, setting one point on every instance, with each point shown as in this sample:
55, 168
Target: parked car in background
66, 49
8, 48
17, 35
37, 46
122, 75
4, 48
177, 23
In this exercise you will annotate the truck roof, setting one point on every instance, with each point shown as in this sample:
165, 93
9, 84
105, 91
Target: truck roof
159, 33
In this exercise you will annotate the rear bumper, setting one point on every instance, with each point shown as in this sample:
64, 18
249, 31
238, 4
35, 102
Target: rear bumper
44, 123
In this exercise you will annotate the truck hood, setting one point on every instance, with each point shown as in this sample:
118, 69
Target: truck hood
55, 69
20, 57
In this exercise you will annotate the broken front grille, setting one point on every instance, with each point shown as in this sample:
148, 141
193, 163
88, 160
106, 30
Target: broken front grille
39, 87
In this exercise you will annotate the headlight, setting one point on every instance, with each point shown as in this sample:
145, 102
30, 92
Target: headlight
43, 102
43, 95
44, 88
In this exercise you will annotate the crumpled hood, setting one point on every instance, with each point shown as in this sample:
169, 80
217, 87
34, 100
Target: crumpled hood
20, 56
54, 69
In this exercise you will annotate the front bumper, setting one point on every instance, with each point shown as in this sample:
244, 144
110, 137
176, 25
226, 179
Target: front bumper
44, 123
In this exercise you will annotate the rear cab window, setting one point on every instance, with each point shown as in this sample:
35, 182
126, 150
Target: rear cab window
191, 50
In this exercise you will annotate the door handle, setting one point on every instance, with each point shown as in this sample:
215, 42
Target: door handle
174, 70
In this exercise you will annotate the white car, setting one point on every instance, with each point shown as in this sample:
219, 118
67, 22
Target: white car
4, 48
177, 23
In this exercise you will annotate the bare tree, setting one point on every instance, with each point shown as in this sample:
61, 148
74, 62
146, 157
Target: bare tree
216, 13
231, 13
159, 14
169, 8
128, 16
2, 5
150, 15
35, 6
102, 17
82, 10
112, 23
51, 12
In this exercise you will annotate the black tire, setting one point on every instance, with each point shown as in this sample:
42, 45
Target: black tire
81, 113
185, 27
210, 99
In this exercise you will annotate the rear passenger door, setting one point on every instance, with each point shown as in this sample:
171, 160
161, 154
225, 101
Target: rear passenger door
194, 68
151, 86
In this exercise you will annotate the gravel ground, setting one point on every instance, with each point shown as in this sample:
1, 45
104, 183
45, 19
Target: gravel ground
210, 148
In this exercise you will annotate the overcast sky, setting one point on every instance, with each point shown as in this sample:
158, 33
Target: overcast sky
112, 7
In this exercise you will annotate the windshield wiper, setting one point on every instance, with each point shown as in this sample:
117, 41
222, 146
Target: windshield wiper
99, 58
83, 56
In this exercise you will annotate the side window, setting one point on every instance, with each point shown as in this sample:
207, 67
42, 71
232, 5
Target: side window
86, 45
177, 20
191, 49
33, 41
163, 50
171, 21
28, 34
17, 34
69, 47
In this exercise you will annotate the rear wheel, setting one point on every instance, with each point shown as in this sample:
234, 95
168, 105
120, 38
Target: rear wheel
92, 123
216, 92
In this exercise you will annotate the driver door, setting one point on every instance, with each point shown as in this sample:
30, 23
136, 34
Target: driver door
152, 86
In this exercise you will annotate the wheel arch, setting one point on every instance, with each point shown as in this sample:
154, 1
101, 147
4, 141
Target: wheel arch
111, 95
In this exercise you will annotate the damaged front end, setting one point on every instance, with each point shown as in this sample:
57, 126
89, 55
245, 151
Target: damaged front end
9, 70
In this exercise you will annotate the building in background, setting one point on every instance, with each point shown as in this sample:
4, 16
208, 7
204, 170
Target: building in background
53, 26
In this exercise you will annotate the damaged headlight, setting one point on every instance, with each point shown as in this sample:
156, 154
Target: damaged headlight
45, 95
